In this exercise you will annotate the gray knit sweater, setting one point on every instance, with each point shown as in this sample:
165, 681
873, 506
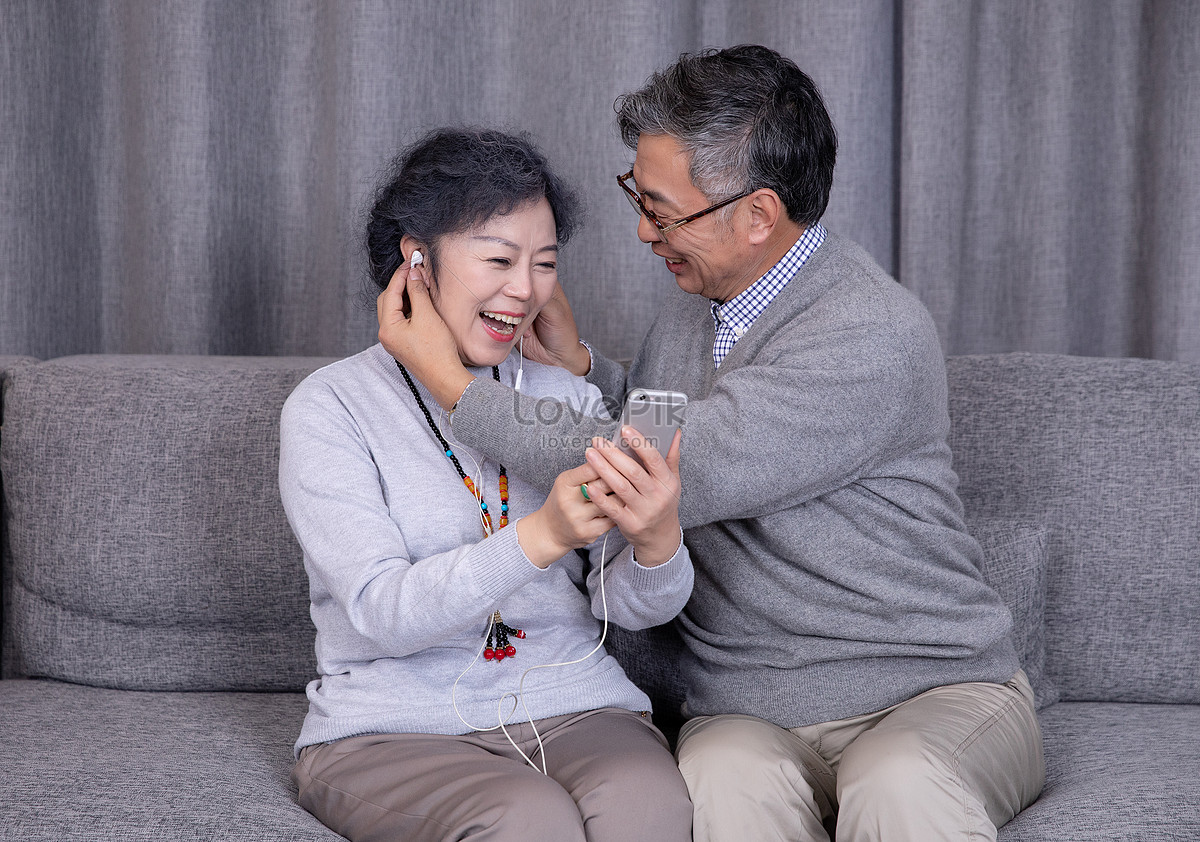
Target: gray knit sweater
402, 581
834, 575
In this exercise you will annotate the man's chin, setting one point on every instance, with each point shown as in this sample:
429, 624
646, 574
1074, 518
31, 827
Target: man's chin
689, 284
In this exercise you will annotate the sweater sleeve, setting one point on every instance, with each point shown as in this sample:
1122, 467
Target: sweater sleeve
538, 437
810, 416
637, 597
811, 413
609, 377
355, 550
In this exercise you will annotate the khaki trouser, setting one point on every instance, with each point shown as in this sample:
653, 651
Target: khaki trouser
955, 763
611, 779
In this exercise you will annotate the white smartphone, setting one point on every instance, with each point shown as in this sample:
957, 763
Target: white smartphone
655, 414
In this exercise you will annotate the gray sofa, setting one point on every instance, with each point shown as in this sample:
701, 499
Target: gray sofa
156, 637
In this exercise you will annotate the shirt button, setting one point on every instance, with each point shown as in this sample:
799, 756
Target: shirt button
738, 331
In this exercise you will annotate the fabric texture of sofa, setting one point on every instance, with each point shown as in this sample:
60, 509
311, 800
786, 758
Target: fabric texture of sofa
156, 638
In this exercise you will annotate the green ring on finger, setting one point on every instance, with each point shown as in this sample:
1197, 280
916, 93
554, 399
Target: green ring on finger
583, 491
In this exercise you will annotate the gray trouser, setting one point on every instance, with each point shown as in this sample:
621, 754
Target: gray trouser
610, 777
953, 763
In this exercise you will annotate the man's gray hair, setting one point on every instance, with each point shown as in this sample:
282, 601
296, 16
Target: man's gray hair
749, 118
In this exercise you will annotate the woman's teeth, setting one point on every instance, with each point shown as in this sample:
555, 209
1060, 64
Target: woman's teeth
502, 322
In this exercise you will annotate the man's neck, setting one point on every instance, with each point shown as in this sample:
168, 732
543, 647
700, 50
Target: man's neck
770, 252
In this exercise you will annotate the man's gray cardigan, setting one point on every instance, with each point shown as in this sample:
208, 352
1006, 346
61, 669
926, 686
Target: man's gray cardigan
834, 575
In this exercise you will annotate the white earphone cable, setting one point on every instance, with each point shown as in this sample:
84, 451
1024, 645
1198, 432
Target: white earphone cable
518, 697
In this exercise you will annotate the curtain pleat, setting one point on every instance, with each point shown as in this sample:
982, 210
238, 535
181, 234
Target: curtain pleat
191, 177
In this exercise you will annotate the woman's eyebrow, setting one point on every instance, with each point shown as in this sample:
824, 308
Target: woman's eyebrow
498, 240
509, 243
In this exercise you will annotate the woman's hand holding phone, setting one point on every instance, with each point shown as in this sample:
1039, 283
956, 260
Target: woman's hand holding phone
565, 522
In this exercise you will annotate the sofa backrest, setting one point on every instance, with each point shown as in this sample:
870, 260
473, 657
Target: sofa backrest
7, 667
149, 547
1106, 453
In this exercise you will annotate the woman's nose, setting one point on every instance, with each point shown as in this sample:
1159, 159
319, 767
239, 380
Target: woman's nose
520, 285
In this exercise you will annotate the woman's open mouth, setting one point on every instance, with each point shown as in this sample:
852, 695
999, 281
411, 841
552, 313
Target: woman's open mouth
500, 326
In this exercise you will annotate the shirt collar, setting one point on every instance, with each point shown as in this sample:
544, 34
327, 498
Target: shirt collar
740, 311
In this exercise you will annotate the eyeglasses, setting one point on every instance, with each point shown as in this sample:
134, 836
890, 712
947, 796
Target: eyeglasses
665, 228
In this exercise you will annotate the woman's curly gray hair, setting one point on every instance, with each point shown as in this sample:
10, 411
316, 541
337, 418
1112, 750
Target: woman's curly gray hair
452, 180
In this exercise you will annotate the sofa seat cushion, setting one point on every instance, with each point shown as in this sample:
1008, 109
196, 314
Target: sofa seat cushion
1116, 772
89, 763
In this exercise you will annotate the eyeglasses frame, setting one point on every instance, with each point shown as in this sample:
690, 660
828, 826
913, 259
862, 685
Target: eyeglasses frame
664, 229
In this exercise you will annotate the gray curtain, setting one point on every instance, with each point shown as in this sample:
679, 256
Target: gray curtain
189, 176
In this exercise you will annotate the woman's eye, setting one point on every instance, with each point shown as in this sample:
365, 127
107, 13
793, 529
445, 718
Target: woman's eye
550, 266
500, 261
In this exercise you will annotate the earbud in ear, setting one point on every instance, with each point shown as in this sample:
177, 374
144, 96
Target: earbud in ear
416, 260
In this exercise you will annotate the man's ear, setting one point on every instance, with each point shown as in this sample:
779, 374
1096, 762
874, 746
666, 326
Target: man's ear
766, 212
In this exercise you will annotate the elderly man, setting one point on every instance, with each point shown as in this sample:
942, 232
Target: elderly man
847, 669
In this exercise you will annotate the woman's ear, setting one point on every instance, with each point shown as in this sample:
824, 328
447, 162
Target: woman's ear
409, 244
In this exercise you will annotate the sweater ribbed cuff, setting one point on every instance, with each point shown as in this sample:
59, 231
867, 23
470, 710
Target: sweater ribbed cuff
500, 565
651, 576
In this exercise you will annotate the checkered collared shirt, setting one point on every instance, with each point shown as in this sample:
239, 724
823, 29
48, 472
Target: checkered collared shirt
733, 318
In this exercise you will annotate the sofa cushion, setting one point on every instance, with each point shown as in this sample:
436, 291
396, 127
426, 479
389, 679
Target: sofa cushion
1014, 564
1115, 772
150, 548
86, 763
1106, 453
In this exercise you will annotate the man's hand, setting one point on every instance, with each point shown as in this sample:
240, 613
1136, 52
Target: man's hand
643, 499
415, 335
554, 337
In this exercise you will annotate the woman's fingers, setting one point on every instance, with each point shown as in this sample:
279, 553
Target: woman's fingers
390, 305
595, 488
579, 474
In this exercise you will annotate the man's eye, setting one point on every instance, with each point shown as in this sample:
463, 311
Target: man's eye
656, 218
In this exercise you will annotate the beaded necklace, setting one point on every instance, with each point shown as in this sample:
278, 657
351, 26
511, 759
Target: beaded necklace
498, 646
483, 506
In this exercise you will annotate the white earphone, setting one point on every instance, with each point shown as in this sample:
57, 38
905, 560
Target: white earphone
521, 370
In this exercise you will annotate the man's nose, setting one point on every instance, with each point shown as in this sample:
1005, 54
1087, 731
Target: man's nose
647, 232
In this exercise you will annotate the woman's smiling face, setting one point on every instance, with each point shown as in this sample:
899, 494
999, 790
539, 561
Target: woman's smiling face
493, 280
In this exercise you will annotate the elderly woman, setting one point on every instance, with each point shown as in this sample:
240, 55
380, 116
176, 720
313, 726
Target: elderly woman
438, 581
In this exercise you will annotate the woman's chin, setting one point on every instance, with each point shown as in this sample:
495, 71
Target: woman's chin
475, 358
